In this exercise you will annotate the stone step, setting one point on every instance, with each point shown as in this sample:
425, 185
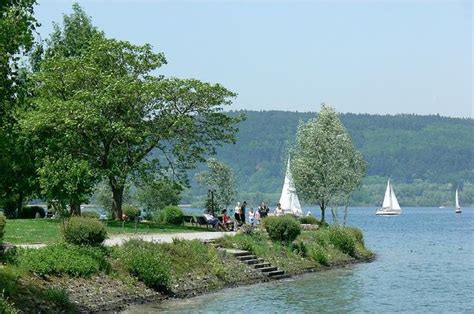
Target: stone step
262, 265
246, 257
267, 269
243, 253
277, 277
275, 273
253, 261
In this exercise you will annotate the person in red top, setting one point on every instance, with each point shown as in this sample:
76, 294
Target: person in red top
225, 217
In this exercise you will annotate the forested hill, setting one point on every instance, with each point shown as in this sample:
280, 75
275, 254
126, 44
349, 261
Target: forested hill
408, 148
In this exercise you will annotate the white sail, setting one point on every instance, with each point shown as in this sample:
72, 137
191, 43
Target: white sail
386, 200
390, 204
458, 207
289, 199
395, 205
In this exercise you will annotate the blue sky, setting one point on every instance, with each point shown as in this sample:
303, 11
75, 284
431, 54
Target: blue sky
382, 57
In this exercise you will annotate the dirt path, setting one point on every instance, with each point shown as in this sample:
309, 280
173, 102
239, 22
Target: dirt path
119, 239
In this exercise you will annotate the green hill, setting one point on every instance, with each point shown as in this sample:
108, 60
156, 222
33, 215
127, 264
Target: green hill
426, 156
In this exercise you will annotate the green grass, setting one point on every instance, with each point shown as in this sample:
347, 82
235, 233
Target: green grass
47, 231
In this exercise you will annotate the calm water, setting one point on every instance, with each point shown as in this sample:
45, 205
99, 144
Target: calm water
425, 264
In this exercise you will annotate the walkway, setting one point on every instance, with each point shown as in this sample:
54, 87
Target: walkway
119, 239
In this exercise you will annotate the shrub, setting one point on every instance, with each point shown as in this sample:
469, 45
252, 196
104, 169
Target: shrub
309, 220
5, 306
343, 239
173, 215
145, 261
131, 212
247, 229
57, 295
28, 212
60, 259
84, 231
299, 248
94, 215
284, 228
3, 222
319, 254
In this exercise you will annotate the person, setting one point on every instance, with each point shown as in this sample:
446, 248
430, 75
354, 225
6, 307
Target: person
308, 214
225, 218
257, 217
237, 213
213, 221
279, 210
242, 212
251, 217
264, 210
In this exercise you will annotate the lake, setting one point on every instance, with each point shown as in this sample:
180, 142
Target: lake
425, 264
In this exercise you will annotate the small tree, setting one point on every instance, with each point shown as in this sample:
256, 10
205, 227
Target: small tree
219, 177
67, 181
325, 165
157, 194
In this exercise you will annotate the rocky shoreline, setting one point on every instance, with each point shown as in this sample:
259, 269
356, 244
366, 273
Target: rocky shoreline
103, 294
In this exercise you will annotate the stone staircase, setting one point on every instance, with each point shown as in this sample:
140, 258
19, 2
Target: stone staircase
272, 272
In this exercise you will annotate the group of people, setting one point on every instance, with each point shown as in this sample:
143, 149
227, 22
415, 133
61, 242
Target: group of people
240, 216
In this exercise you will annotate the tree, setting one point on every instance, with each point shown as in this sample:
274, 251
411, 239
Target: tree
325, 165
17, 175
219, 178
67, 181
105, 106
157, 194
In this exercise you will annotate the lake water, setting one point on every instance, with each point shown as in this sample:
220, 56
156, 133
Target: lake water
425, 264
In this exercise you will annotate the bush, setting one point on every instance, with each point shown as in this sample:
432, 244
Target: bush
145, 261
29, 212
3, 222
343, 239
60, 259
94, 215
309, 220
299, 248
84, 231
319, 254
173, 215
284, 228
131, 212
5, 306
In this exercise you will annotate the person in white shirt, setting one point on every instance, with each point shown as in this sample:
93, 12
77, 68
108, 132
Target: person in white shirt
278, 210
251, 217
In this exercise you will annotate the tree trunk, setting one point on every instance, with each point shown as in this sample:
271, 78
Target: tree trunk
117, 199
323, 210
19, 203
74, 209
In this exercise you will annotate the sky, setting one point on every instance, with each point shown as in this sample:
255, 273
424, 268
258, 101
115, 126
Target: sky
377, 57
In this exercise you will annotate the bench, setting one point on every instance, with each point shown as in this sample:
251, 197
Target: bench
195, 220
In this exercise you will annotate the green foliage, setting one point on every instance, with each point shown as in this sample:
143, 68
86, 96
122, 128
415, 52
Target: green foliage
58, 296
173, 215
131, 211
299, 248
28, 212
157, 194
309, 220
319, 254
84, 231
219, 178
3, 222
146, 261
90, 214
283, 228
6, 307
67, 180
343, 239
60, 259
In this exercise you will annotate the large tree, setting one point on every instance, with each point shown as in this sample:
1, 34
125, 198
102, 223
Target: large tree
17, 170
220, 178
325, 165
105, 106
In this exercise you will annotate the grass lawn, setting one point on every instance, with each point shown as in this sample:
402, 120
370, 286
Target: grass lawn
47, 231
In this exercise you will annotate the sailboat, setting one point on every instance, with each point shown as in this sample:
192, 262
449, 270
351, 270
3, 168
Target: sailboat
289, 199
390, 206
458, 207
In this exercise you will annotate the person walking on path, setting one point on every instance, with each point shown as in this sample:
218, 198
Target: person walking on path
242, 212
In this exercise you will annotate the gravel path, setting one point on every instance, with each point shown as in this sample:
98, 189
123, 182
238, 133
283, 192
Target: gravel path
119, 239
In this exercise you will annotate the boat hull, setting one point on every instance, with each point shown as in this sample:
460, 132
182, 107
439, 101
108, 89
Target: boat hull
387, 213
458, 211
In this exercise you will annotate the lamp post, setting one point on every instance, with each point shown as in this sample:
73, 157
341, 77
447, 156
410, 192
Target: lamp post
212, 201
